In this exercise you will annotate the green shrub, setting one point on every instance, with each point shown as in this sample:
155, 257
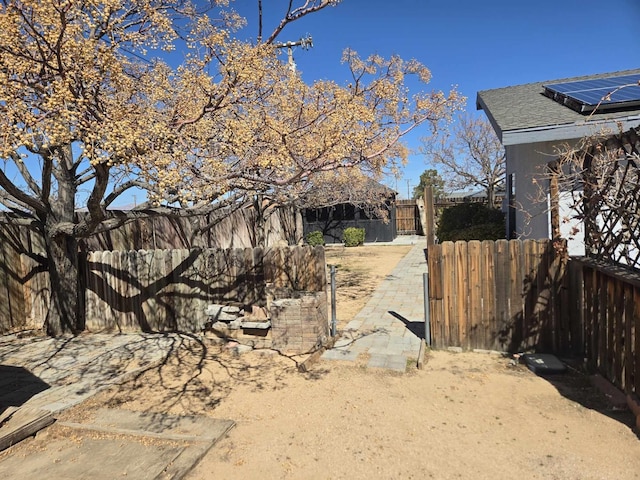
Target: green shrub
471, 221
352, 236
315, 238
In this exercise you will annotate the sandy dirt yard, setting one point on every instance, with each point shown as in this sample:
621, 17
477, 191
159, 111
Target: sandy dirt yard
464, 416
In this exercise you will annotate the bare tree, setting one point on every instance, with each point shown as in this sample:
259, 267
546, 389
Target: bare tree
469, 156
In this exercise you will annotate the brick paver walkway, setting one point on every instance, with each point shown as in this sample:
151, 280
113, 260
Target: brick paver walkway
390, 326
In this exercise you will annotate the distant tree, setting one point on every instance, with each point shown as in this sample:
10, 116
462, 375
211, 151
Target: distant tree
429, 177
469, 156
471, 221
358, 189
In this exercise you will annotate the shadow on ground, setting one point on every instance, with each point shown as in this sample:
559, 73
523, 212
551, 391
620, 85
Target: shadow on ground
156, 371
17, 386
576, 386
197, 373
417, 328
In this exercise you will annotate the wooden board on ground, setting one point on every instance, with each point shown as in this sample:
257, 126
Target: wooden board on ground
22, 423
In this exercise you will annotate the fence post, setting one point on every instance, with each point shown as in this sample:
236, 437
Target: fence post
427, 317
333, 300
429, 210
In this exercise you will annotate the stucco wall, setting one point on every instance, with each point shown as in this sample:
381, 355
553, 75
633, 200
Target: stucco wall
528, 162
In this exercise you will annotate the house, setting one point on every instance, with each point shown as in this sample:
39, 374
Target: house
533, 120
467, 196
377, 215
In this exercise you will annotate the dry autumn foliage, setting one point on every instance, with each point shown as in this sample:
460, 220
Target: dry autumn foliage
89, 110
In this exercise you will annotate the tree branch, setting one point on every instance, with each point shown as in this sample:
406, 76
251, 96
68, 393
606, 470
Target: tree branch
19, 197
309, 6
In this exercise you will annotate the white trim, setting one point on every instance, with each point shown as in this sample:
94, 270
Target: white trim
569, 131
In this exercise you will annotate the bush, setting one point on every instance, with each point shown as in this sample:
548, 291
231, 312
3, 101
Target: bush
315, 238
352, 237
471, 221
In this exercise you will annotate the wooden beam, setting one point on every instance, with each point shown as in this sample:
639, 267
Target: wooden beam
22, 424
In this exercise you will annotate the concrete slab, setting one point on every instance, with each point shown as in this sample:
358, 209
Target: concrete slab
345, 355
121, 443
71, 369
52, 374
397, 363
377, 360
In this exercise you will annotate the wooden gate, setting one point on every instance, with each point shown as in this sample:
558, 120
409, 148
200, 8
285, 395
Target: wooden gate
502, 295
407, 217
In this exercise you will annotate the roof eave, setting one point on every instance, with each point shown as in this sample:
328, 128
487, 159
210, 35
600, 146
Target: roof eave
570, 131
480, 105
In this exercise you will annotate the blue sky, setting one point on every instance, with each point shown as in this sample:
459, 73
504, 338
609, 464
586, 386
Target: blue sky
474, 44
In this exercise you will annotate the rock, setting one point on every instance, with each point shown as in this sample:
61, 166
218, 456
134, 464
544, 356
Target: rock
224, 313
257, 314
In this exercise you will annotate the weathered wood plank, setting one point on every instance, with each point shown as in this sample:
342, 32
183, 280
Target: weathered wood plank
462, 292
576, 306
617, 334
22, 424
450, 326
636, 340
601, 322
530, 291
515, 335
475, 294
434, 259
629, 362
502, 295
545, 338
489, 323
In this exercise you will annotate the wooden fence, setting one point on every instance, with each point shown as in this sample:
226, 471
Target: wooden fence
612, 322
24, 282
502, 295
167, 290
12, 298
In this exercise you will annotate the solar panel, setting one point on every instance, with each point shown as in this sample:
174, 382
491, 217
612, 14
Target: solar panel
603, 94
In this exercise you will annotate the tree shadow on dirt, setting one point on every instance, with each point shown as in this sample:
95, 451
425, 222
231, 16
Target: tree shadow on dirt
195, 374
576, 386
162, 372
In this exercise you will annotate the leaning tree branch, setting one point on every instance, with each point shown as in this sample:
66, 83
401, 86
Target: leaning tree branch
11, 190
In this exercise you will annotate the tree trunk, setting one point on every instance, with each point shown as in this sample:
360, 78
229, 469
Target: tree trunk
64, 313
491, 196
261, 221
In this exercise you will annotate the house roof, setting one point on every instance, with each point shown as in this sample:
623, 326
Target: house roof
523, 114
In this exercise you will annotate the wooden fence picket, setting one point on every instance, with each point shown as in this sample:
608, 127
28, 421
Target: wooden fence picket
494, 295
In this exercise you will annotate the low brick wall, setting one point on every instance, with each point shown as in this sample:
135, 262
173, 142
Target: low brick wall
300, 324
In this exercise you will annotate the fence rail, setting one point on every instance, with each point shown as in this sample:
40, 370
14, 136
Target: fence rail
502, 295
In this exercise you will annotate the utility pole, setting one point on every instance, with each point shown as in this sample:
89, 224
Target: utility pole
305, 42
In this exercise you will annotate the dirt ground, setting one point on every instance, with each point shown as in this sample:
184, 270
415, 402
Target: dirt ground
464, 416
